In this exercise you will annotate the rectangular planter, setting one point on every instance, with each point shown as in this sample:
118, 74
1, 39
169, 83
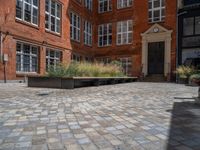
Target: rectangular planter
44, 82
76, 82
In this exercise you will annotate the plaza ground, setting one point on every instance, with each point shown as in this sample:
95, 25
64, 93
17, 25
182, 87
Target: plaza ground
134, 116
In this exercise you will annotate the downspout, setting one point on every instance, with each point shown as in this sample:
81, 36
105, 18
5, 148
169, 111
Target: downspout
177, 39
1, 47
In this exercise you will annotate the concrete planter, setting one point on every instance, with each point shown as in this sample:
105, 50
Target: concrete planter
183, 80
44, 82
75, 82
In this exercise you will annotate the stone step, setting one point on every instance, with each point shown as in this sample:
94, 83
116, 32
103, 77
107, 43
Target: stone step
155, 78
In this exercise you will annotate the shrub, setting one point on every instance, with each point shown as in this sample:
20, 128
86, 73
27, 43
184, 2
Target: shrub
185, 71
85, 69
195, 77
58, 71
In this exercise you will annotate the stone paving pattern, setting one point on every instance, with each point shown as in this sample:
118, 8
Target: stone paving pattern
134, 116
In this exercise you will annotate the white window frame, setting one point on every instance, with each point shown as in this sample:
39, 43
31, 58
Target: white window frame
56, 59
126, 62
152, 9
124, 34
88, 4
23, 11
30, 54
124, 3
75, 18
87, 33
102, 3
101, 34
56, 17
76, 57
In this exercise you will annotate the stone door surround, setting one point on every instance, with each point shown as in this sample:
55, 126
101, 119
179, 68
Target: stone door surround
156, 33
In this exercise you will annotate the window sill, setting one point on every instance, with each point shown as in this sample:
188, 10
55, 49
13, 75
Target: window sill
126, 44
53, 33
90, 46
150, 23
26, 23
22, 74
102, 13
75, 41
105, 46
125, 8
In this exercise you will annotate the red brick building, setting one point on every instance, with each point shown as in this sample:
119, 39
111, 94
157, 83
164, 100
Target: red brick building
139, 33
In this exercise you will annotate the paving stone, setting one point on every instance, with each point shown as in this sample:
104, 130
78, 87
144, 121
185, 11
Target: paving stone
132, 116
55, 146
39, 147
84, 141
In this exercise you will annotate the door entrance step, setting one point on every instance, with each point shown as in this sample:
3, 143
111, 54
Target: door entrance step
155, 78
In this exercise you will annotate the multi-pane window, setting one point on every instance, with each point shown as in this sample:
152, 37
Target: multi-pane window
126, 65
105, 34
75, 27
53, 58
27, 10
26, 58
104, 60
105, 5
124, 3
88, 4
87, 33
53, 16
124, 32
76, 58
156, 10
191, 26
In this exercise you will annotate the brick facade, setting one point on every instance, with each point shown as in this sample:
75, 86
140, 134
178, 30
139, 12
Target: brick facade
14, 30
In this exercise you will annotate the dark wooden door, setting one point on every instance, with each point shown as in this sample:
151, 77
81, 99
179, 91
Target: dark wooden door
156, 58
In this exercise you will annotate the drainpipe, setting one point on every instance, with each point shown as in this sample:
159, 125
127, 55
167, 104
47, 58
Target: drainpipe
1, 46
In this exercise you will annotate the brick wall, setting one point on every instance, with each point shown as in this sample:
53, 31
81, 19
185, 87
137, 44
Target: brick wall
15, 30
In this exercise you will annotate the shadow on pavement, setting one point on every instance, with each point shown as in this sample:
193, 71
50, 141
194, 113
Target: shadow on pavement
185, 126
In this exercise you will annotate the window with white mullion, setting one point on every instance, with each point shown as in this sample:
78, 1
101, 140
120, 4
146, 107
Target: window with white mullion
124, 3
105, 6
88, 4
53, 16
126, 63
53, 58
124, 32
156, 10
75, 27
27, 10
26, 58
105, 35
87, 33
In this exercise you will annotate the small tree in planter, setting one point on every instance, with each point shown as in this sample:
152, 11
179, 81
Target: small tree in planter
195, 79
184, 72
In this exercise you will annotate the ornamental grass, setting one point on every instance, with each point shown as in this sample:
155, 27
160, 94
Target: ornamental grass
85, 69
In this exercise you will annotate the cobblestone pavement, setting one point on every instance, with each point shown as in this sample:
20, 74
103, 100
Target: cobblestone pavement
135, 116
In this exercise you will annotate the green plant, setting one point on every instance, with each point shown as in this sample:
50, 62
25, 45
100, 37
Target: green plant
57, 71
185, 71
195, 77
